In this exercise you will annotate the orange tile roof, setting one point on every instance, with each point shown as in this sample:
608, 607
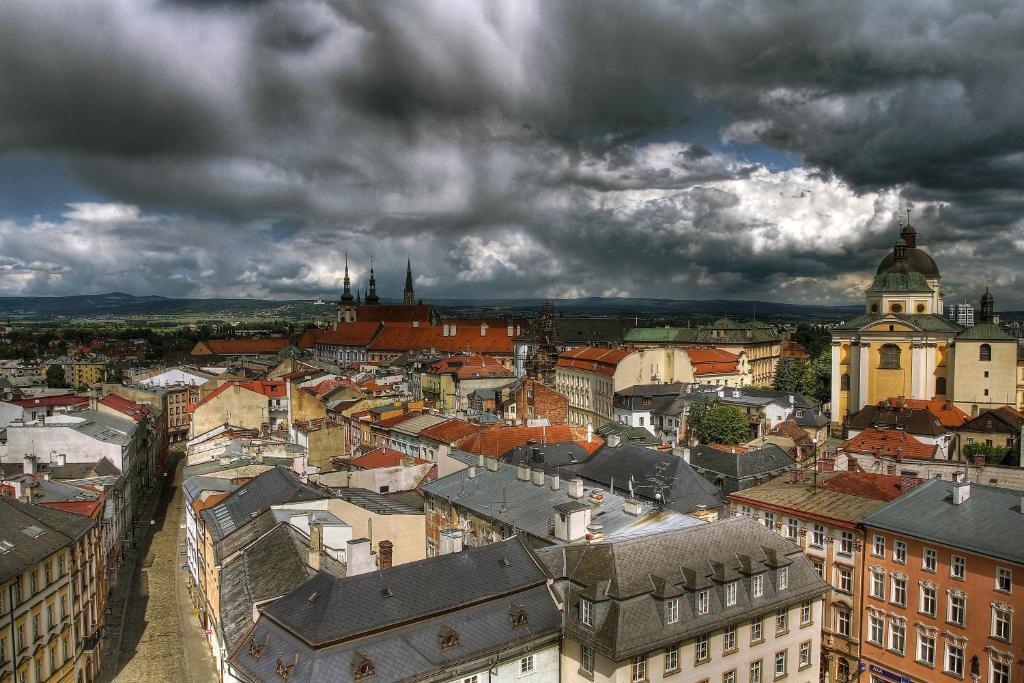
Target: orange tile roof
497, 440
395, 336
865, 484
397, 419
895, 443
227, 347
132, 410
794, 349
214, 498
343, 334
949, 415
270, 389
708, 360
468, 367
450, 431
393, 313
385, 457
593, 359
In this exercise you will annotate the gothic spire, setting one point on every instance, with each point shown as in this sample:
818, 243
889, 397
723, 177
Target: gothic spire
371, 294
346, 293
408, 296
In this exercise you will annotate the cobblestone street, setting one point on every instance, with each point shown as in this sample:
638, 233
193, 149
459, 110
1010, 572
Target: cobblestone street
152, 635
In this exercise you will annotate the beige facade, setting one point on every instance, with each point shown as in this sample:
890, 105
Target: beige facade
407, 532
984, 378
235, 405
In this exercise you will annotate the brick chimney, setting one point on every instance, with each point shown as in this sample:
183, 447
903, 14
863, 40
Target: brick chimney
384, 554
908, 480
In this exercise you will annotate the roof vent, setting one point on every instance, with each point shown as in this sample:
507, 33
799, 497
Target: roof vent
386, 592
314, 596
505, 562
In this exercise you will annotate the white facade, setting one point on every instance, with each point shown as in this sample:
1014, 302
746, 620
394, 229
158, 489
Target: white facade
529, 666
174, 377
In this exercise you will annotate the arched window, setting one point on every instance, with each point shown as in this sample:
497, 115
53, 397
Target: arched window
940, 385
890, 357
874, 308
985, 352
844, 382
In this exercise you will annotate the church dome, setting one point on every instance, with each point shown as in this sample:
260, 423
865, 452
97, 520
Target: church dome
917, 260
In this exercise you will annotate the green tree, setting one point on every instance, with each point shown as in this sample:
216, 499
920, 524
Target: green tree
995, 455
724, 424
695, 414
791, 375
819, 378
55, 377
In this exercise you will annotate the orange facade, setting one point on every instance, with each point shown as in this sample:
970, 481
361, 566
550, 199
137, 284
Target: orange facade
947, 609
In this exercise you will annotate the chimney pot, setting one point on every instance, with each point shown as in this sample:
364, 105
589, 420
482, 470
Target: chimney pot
538, 475
556, 481
576, 488
384, 552
522, 472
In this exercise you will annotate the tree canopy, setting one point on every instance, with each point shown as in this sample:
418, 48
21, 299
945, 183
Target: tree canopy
723, 424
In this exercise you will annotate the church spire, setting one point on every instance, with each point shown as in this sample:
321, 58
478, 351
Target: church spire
408, 296
346, 292
371, 294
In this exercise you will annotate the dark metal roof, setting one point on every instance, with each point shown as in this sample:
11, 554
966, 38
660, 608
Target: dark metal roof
740, 470
273, 487
917, 260
31, 533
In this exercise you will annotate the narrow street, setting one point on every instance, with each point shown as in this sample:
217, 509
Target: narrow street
152, 635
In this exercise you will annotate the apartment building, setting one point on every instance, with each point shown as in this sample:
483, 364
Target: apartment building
724, 602
823, 516
51, 594
944, 585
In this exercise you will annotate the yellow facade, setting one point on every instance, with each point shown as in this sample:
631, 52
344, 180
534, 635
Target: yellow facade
84, 374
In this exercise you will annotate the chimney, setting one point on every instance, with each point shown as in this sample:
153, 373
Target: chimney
510, 330
538, 475
29, 466
483, 330
686, 454
316, 544
613, 440
908, 480
358, 558
384, 554
633, 507
471, 472
492, 464
480, 460
961, 492
576, 488
556, 481
595, 533
523, 472
451, 541
590, 433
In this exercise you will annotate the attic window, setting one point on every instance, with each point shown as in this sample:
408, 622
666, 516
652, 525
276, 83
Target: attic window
518, 616
449, 638
32, 531
255, 648
6, 546
363, 669
386, 592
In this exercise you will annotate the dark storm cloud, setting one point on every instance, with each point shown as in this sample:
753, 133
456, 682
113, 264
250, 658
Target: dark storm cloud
512, 148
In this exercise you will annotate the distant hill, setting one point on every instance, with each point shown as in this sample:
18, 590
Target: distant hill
119, 304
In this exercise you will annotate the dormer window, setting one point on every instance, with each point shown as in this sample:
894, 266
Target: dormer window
449, 638
586, 612
672, 611
284, 670
256, 648
783, 578
363, 669
518, 616
757, 585
703, 601
730, 594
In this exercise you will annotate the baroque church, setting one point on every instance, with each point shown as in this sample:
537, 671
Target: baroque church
903, 345
368, 308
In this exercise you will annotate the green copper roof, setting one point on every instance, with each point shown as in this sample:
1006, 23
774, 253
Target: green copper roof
985, 331
924, 322
890, 281
654, 334
744, 333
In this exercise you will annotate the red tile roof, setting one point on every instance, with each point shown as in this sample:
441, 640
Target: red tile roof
895, 443
85, 508
470, 367
593, 359
342, 334
794, 349
466, 337
270, 389
134, 411
245, 345
62, 400
385, 457
949, 415
393, 313
865, 484
450, 431
712, 361
497, 440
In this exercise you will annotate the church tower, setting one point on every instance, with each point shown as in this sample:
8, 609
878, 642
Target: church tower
346, 309
408, 296
371, 295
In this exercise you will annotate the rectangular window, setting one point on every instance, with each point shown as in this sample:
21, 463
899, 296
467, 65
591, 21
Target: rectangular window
586, 613
1004, 579
876, 629
806, 610
1001, 624
757, 586
638, 672
844, 579
898, 637
756, 630
672, 611
878, 584
781, 620
818, 536
729, 639
842, 621
703, 601
755, 672
1000, 671
792, 528
846, 543
899, 591
769, 520
954, 659
957, 609
819, 568
928, 600
899, 552
783, 578
730, 594
780, 664
729, 677
958, 567
926, 649
805, 654
671, 658
526, 665
700, 650
878, 546
930, 560
587, 658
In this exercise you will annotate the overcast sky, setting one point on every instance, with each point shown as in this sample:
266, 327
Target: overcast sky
756, 150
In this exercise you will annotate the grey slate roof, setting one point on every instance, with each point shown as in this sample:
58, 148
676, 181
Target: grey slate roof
105, 427
628, 580
740, 470
83, 470
682, 488
990, 522
272, 487
269, 567
197, 484
34, 532
552, 455
404, 503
